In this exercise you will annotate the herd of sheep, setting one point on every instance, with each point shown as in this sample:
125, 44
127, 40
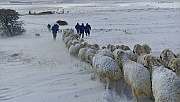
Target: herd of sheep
149, 75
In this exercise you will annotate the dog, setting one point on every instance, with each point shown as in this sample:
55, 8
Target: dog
38, 35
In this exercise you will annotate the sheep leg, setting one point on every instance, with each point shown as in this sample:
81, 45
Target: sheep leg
126, 85
107, 85
116, 86
134, 94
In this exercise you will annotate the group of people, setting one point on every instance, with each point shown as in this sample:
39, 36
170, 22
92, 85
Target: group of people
81, 29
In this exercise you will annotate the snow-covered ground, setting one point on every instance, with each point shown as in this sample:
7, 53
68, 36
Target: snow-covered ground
37, 69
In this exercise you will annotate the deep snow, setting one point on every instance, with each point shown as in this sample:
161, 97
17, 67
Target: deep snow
37, 69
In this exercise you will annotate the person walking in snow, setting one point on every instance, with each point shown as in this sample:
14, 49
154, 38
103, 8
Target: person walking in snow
55, 29
77, 28
82, 28
49, 27
87, 29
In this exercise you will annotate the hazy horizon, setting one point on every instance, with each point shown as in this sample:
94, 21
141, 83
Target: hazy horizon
71, 1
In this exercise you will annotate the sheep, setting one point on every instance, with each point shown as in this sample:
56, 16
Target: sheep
69, 43
89, 54
106, 68
165, 83
174, 65
146, 49
105, 52
66, 40
81, 54
132, 56
137, 76
166, 56
75, 36
137, 49
111, 47
67, 33
126, 48
76, 41
115, 53
141, 57
95, 46
74, 50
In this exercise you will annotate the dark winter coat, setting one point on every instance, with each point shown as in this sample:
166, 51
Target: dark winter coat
77, 27
87, 28
49, 26
82, 28
55, 28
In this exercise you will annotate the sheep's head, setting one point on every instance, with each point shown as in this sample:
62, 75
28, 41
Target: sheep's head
146, 48
108, 46
170, 65
167, 54
95, 46
122, 56
151, 61
126, 48
137, 49
82, 45
75, 36
111, 47
174, 64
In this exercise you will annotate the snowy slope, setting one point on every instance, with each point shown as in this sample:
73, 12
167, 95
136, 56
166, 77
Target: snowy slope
37, 69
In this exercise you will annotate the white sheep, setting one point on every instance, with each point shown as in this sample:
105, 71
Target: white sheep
89, 54
115, 53
95, 46
125, 47
111, 47
69, 43
81, 54
137, 76
66, 40
105, 52
137, 49
174, 65
106, 68
141, 57
74, 50
146, 49
76, 41
67, 33
166, 56
133, 56
165, 83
